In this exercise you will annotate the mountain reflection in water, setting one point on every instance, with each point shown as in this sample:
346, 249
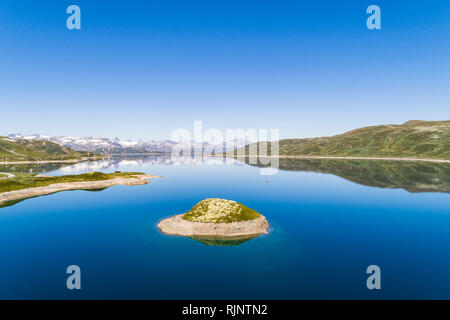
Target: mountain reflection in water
412, 176
115, 162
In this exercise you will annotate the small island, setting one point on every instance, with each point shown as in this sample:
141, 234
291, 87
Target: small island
216, 219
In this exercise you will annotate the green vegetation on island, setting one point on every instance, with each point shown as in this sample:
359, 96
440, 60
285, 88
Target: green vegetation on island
25, 181
36, 150
219, 211
413, 139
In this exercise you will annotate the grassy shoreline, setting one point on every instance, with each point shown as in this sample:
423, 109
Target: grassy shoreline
25, 186
26, 181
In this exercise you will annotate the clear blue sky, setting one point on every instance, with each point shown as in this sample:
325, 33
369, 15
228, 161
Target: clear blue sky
142, 69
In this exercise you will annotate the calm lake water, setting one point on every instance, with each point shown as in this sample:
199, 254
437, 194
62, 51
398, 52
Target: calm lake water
329, 221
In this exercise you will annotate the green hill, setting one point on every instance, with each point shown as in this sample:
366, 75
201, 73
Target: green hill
32, 150
417, 139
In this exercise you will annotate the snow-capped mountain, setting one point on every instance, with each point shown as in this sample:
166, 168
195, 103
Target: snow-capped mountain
112, 146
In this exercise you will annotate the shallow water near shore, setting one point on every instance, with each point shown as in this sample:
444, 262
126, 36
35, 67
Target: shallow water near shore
329, 221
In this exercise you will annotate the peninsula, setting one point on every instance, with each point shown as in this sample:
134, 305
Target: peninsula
216, 218
23, 186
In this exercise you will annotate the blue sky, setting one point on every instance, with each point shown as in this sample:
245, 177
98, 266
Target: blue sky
142, 69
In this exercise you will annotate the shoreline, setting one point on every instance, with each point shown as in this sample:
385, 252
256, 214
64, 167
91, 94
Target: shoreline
23, 194
53, 161
234, 156
342, 158
177, 226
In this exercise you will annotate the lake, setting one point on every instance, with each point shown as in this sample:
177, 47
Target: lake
329, 221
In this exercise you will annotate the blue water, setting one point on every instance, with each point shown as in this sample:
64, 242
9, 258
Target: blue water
325, 231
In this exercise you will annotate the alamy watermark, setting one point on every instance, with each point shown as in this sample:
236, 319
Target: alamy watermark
74, 280
254, 146
374, 280
374, 20
74, 20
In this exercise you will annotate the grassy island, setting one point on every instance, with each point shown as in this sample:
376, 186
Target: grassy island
219, 211
217, 221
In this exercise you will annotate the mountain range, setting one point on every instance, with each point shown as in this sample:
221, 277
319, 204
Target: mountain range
118, 146
413, 139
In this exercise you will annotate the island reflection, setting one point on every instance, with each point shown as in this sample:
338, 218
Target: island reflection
222, 242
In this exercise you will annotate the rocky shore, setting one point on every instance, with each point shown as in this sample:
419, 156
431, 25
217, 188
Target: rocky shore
176, 225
